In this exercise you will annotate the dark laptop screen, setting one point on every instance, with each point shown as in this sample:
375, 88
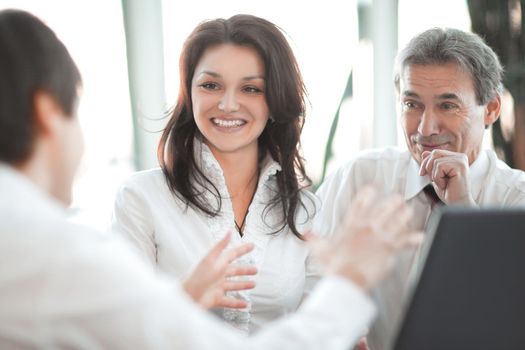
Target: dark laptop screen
471, 291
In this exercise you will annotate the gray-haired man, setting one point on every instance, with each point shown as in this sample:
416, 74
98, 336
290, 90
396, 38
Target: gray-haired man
449, 86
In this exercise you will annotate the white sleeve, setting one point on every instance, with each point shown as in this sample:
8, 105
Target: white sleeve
335, 195
313, 274
132, 220
334, 316
107, 298
312, 269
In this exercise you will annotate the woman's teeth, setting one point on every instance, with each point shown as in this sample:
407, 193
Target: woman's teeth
228, 123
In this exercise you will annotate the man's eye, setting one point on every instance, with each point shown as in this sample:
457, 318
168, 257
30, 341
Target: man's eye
448, 106
409, 105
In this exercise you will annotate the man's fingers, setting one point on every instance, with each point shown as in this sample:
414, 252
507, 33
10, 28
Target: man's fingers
230, 286
323, 249
387, 208
430, 164
309, 236
360, 206
311, 239
219, 247
425, 154
386, 219
445, 170
425, 157
362, 344
439, 173
433, 159
410, 241
398, 219
237, 252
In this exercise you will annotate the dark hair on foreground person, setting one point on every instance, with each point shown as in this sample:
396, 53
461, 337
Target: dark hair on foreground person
32, 60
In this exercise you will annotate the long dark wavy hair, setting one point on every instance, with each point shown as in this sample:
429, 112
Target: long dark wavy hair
285, 95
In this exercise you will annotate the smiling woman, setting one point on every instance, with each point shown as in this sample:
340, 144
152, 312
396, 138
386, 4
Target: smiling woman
228, 99
226, 165
231, 112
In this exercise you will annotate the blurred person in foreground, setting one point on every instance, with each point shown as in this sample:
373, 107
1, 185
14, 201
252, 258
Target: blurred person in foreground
65, 286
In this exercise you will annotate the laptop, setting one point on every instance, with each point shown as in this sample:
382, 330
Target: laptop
470, 291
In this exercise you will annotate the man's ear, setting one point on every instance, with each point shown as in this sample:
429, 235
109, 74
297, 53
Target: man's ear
47, 112
492, 111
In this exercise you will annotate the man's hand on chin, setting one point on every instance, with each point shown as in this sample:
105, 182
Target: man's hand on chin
449, 173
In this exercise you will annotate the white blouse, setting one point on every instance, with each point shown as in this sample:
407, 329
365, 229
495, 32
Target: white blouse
176, 237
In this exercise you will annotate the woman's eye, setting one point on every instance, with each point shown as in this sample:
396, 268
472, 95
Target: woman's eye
209, 86
252, 89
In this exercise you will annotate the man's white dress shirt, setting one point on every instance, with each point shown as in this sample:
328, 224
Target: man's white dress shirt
392, 170
63, 286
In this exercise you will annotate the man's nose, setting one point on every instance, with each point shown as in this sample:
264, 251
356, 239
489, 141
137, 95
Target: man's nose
429, 123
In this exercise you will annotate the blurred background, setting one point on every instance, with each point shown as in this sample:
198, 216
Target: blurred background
128, 50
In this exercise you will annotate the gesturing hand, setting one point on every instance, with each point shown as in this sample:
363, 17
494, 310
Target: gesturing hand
365, 244
449, 173
209, 282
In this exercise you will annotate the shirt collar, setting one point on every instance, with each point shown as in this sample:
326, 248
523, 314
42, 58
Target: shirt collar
21, 194
477, 173
414, 182
269, 167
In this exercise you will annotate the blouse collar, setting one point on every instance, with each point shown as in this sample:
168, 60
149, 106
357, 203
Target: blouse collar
211, 167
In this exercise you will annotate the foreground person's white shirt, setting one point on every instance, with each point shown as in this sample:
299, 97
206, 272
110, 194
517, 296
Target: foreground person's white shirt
63, 286
175, 238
